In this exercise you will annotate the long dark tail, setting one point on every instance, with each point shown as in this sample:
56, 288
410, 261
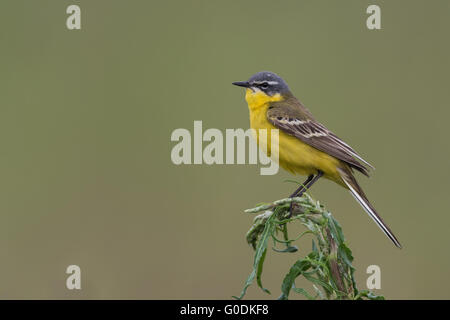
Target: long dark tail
359, 195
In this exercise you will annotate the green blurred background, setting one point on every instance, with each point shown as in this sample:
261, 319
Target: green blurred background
85, 125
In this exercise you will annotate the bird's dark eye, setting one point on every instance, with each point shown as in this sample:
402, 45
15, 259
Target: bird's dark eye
264, 85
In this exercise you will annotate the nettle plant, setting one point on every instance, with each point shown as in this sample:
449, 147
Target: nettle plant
329, 264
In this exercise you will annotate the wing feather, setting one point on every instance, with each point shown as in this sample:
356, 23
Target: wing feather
305, 128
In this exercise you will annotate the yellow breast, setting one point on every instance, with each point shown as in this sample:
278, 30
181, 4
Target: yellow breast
294, 155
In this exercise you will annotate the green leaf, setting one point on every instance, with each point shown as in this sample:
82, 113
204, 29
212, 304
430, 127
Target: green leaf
259, 272
314, 247
335, 229
369, 295
319, 293
319, 282
288, 281
305, 293
289, 249
315, 267
260, 254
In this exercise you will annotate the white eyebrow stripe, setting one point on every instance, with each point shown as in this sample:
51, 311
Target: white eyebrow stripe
268, 82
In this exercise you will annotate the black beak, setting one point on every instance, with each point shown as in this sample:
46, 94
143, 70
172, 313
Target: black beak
244, 84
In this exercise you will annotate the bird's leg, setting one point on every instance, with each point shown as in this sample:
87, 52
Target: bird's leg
299, 189
310, 183
302, 186
305, 186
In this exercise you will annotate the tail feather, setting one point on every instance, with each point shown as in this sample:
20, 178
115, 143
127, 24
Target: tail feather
359, 195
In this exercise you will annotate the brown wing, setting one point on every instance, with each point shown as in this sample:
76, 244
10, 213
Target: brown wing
299, 123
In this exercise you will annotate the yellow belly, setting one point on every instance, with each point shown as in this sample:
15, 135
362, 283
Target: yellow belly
296, 156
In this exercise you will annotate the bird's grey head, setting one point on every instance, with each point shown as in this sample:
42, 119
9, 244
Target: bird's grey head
265, 81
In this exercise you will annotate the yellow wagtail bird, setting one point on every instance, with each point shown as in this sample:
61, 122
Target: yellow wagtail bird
306, 147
